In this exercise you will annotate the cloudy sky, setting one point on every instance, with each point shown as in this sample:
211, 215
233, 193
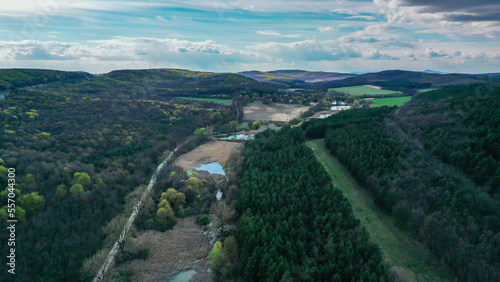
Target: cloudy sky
235, 35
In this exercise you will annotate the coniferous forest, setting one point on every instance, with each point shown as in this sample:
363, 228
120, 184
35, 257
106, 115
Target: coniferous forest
294, 223
434, 165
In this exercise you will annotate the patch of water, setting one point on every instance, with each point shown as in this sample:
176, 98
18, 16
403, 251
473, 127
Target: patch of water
239, 137
214, 168
183, 276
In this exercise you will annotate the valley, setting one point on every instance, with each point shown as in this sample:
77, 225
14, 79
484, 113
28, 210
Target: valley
88, 148
408, 258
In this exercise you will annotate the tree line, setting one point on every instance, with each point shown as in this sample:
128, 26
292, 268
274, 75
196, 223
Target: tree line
294, 224
412, 160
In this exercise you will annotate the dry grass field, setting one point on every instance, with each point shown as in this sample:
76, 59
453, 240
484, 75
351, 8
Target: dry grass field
215, 151
272, 112
183, 248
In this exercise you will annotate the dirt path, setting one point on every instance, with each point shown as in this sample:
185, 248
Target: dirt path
137, 207
406, 255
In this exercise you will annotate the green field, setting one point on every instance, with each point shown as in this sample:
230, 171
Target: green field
363, 90
214, 100
396, 101
426, 90
406, 256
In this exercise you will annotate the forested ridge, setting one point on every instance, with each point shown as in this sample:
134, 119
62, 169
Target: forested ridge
14, 78
76, 155
168, 83
294, 224
432, 164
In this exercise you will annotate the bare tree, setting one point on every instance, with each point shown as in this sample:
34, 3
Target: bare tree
222, 215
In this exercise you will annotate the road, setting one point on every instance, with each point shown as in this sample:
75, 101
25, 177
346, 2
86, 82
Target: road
137, 207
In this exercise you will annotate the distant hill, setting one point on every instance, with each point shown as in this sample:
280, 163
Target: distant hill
434, 71
14, 78
295, 76
175, 82
434, 79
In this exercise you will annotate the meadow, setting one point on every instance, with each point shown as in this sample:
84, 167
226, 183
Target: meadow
394, 101
408, 258
427, 90
362, 90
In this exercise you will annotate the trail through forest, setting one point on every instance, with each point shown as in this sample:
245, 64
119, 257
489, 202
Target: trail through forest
410, 260
137, 207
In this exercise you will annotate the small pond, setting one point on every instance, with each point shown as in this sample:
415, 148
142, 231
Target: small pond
214, 168
183, 276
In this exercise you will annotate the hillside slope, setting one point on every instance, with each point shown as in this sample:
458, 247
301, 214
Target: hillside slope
14, 78
434, 165
297, 76
434, 79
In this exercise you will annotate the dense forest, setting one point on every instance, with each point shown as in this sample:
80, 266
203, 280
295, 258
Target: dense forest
15, 78
294, 224
166, 83
433, 164
81, 143
76, 155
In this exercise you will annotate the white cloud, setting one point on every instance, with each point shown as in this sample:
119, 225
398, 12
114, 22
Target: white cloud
27, 7
429, 53
370, 18
277, 34
124, 51
161, 19
354, 15
327, 29
344, 11
374, 54
314, 50
430, 18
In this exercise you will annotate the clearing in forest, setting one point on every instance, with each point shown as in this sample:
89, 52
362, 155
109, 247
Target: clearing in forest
272, 112
362, 90
394, 101
183, 248
215, 151
409, 259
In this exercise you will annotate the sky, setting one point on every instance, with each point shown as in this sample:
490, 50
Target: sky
99, 36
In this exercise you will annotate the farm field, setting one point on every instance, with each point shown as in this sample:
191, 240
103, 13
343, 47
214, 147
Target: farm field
395, 101
213, 100
363, 90
272, 112
406, 256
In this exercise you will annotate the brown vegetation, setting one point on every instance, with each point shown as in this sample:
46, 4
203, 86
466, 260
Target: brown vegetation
182, 248
215, 151
274, 112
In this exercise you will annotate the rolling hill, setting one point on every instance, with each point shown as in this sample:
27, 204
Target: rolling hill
14, 78
435, 79
295, 76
